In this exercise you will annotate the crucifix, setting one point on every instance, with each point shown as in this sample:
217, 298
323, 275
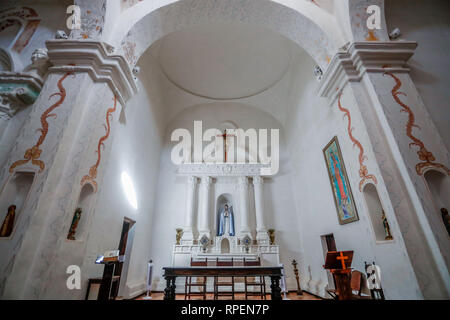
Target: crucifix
225, 145
342, 258
339, 263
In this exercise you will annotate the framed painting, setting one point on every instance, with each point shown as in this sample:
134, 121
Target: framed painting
342, 192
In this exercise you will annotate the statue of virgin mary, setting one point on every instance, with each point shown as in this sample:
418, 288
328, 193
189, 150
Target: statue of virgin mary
226, 221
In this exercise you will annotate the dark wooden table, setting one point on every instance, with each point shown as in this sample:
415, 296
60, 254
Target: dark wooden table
171, 273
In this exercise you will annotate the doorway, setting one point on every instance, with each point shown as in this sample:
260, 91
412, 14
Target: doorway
328, 244
125, 246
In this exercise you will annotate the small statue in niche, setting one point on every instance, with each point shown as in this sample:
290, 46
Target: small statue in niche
446, 219
271, 236
179, 234
387, 229
8, 223
74, 225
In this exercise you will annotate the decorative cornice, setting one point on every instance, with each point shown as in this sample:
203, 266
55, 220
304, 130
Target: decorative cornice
362, 57
93, 57
17, 90
220, 169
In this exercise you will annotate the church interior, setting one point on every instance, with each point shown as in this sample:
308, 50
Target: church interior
348, 199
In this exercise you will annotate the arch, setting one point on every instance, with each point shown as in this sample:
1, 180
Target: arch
376, 210
16, 192
225, 246
438, 184
221, 200
84, 203
27, 18
134, 40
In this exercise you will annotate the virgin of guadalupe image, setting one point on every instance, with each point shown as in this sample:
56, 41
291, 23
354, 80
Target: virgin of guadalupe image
226, 221
340, 187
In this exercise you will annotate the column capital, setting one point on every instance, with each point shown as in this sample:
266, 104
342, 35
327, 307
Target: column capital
94, 58
361, 57
243, 181
258, 180
192, 181
206, 181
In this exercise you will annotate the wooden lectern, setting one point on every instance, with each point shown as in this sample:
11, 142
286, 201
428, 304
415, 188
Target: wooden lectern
105, 291
339, 262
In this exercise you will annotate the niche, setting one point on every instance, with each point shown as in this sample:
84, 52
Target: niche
377, 215
79, 217
225, 227
439, 187
225, 246
15, 193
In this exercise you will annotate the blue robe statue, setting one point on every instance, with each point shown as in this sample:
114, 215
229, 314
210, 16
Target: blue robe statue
226, 221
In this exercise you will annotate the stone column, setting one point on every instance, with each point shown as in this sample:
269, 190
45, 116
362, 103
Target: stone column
261, 230
204, 228
76, 111
401, 145
243, 207
188, 232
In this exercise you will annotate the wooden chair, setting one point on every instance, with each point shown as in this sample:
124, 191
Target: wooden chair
261, 284
356, 283
202, 284
229, 282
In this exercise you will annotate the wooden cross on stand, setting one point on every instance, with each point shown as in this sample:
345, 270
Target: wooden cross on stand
342, 258
225, 146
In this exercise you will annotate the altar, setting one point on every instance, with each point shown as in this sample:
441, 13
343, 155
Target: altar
225, 215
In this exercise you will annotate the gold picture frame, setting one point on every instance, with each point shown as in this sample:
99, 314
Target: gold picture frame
340, 185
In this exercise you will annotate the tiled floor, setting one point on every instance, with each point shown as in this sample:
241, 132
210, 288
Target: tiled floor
238, 296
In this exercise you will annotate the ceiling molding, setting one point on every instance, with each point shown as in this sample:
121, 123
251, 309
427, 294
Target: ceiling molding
362, 57
93, 57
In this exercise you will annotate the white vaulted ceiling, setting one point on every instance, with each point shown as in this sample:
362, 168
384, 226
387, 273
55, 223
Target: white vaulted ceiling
237, 63
224, 61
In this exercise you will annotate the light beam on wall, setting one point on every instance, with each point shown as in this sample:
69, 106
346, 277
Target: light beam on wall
128, 187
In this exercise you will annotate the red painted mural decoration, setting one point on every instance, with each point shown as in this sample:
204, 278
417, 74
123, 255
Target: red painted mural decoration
363, 172
426, 157
90, 178
20, 16
34, 153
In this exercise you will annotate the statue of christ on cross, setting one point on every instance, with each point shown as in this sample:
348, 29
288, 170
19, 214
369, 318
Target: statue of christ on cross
225, 144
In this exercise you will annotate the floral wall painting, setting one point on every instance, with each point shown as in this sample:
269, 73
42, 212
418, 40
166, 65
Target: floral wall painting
342, 193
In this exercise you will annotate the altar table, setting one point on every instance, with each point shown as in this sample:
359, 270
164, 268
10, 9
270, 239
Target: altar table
170, 274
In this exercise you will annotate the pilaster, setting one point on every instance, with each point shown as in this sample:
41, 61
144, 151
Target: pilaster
405, 144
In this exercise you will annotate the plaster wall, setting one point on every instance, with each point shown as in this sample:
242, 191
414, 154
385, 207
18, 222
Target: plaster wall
313, 123
428, 23
169, 212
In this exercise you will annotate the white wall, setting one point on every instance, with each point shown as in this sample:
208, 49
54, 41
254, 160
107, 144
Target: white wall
428, 23
169, 213
313, 123
135, 150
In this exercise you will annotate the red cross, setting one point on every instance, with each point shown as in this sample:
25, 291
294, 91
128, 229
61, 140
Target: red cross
224, 136
342, 258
